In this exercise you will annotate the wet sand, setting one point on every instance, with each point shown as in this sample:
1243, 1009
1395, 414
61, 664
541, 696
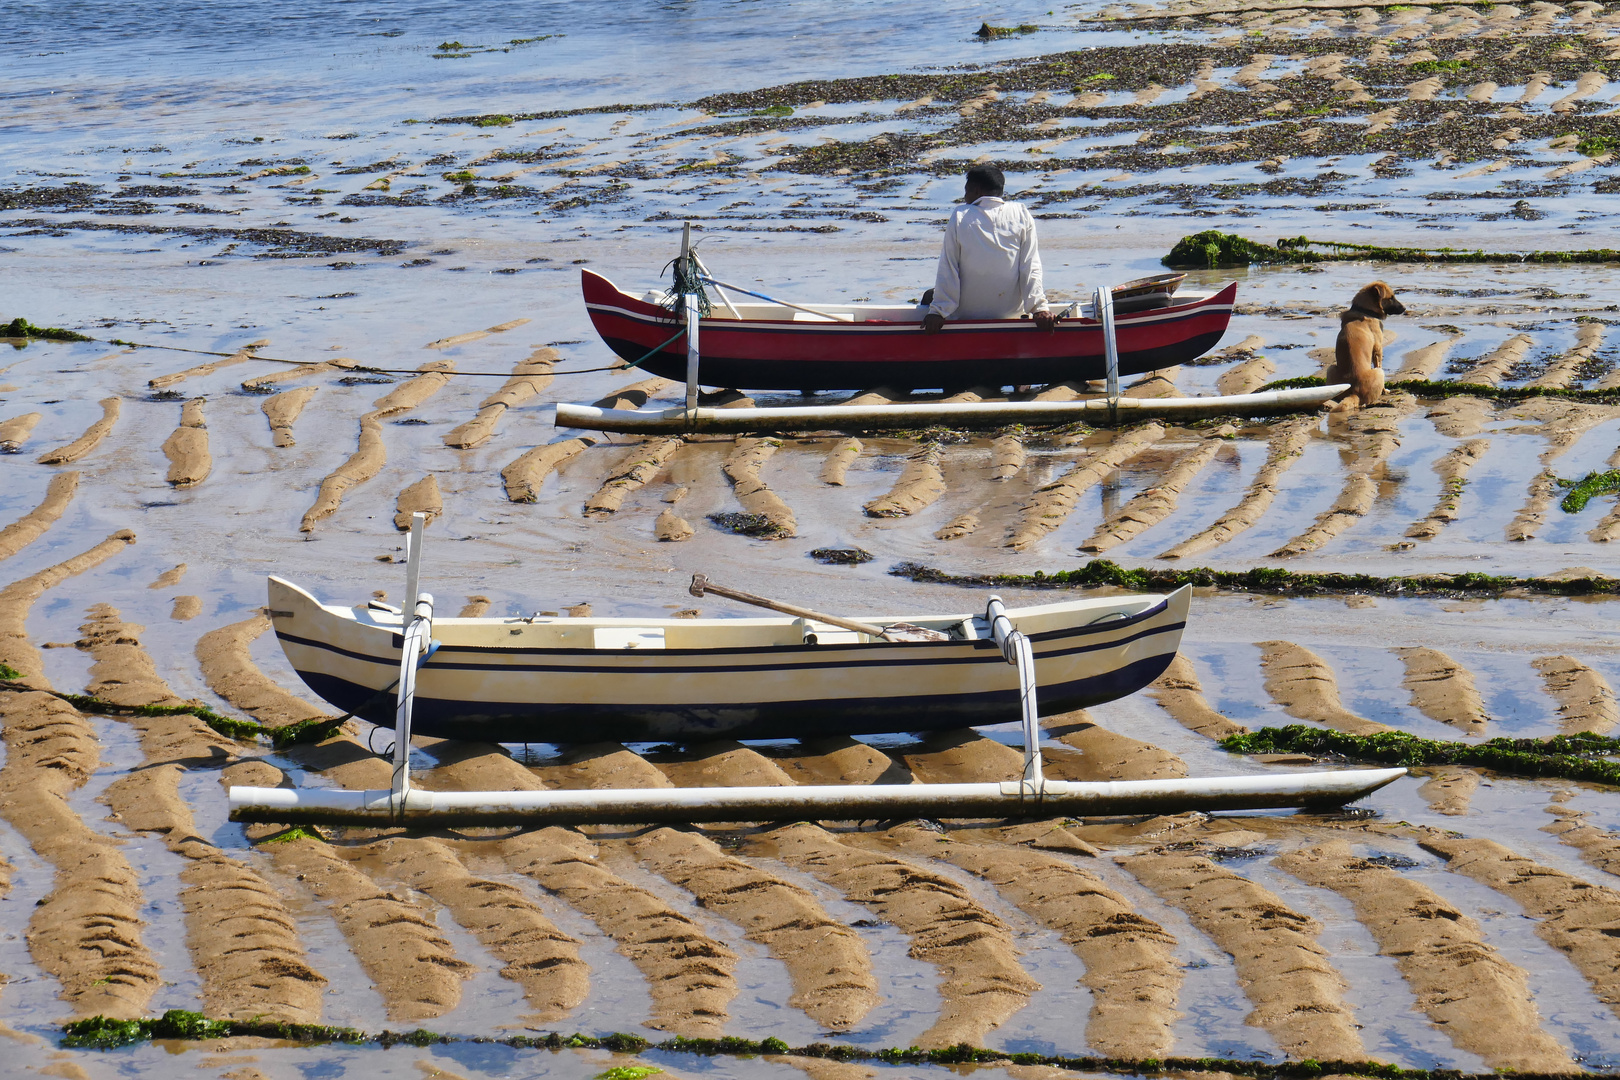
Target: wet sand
1395, 932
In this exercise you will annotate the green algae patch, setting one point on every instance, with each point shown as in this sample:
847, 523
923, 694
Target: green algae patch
1214, 250
1597, 145
22, 328
618, 1042
1266, 579
314, 730
729, 1045
102, 1033
986, 32
305, 731
1582, 756
1434, 67
1210, 250
297, 832
105, 1033
228, 726
1444, 388
419, 1037
1587, 488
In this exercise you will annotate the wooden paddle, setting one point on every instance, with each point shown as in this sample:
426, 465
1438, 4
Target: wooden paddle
898, 632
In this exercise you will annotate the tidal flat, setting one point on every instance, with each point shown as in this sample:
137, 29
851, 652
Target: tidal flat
327, 259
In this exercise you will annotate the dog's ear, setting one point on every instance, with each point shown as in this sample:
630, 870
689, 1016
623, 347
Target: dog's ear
1371, 298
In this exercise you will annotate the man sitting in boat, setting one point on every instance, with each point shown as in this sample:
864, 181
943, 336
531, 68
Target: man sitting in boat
990, 264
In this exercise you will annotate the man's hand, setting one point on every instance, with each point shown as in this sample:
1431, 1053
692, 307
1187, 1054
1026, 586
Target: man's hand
933, 323
1045, 319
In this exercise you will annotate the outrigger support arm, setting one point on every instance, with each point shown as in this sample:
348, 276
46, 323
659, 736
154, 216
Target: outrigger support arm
416, 646
694, 318
1104, 309
1016, 648
411, 655
724, 299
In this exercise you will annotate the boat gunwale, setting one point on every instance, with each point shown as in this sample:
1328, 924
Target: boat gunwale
991, 655
1160, 602
642, 312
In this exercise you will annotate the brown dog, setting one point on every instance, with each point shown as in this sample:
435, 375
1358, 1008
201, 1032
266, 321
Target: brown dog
1358, 354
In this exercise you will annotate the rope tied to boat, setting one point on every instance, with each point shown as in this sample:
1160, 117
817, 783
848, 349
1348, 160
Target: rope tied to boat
656, 349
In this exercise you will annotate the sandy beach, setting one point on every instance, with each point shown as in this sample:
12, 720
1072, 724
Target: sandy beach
327, 266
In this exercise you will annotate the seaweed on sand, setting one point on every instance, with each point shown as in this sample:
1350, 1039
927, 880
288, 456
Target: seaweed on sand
280, 243
100, 1032
22, 328
105, 1033
1581, 756
989, 33
841, 556
747, 524
1270, 580
1588, 487
1212, 249
1443, 388
313, 730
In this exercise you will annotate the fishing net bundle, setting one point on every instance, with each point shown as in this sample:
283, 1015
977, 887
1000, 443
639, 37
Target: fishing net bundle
688, 281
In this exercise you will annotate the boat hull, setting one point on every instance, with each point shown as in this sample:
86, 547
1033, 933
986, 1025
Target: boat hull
799, 355
519, 693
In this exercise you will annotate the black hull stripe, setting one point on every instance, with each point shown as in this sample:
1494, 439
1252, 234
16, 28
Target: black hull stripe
552, 722
763, 374
441, 661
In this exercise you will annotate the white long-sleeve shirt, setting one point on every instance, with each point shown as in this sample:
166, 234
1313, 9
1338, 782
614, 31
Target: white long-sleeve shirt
990, 264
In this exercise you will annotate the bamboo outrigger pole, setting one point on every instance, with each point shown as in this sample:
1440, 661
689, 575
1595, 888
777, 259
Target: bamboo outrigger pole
920, 414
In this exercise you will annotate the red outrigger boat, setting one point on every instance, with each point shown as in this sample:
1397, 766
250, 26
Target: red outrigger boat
776, 346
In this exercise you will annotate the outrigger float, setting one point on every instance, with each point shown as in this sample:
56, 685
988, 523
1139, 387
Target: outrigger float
760, 342
542, 679
908, 415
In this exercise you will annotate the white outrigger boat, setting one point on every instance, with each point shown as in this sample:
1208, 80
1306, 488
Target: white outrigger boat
546, 680
567, 680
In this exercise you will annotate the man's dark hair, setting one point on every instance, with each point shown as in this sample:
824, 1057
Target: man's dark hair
987, 178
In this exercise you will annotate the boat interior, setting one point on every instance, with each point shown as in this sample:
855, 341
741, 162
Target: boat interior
546, 630
727, 307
